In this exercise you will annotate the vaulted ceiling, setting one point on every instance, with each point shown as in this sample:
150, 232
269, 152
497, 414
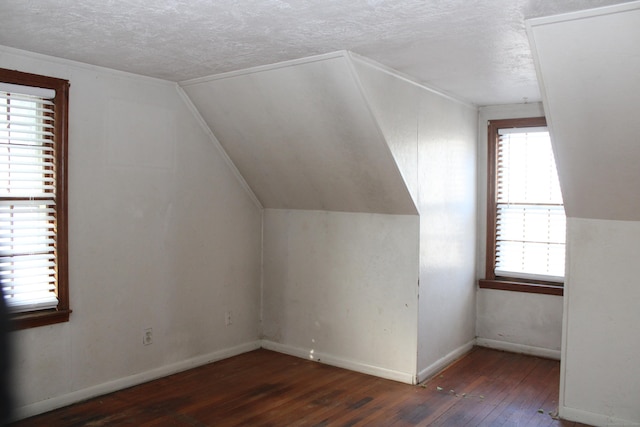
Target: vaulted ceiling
475, 50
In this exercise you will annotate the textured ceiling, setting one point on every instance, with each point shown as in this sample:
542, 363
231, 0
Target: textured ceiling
475, 50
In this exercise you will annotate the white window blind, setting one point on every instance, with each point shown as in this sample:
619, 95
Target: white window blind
530, 223
27, 198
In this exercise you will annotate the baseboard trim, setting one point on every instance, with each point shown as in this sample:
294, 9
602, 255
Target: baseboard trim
518, 348
339, 362
445, 361
585, 417
122, 383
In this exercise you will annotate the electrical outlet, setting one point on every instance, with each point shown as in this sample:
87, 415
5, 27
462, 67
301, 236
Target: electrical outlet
227, 318
147, 336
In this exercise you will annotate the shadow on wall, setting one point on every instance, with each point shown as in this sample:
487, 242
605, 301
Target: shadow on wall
6, 406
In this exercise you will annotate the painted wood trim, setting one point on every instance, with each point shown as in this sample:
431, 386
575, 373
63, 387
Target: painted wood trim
340, 362
405, 77
261, 68
376, 121
591, 418
445, 361
125, 382
519, 348
581, 14
532, 288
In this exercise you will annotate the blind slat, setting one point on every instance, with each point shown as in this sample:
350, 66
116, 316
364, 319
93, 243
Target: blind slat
33, 138
27, 245
22, 270
39, 301
15, 146
27, 92
28, 279
26, 180
25, 259
24, 120
29, 156
7, 205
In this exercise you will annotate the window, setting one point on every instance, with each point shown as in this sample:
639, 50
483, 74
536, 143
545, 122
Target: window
33, 198
525, 213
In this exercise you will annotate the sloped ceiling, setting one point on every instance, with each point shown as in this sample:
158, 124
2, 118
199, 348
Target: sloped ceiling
589, 70
475, 50
303, 136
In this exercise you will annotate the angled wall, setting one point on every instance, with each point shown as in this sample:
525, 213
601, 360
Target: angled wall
433, 139
303, 137
589, 67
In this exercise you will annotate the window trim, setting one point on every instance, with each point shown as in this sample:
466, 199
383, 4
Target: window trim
61, 128
491, 281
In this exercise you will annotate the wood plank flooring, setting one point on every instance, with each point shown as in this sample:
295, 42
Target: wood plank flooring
263, 388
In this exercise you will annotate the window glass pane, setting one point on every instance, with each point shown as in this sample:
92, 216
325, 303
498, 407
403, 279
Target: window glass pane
530, 219
527, 169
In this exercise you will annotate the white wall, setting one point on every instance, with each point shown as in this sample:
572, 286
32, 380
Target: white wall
162, 236
520, 322
515, 321
600, 381
447, 143
433, 139
342, 288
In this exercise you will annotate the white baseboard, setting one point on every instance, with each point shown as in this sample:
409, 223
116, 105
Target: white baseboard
585, 417
519, 348
445, 361
310, 354
122, 383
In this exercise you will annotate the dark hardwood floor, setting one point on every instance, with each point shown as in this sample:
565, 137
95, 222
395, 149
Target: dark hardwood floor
263, 388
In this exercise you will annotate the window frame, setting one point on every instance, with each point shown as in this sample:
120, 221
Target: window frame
491, 281
31, 319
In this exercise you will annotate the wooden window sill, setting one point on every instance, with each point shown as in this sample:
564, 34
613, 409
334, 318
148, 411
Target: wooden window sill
534, 288
38, 318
